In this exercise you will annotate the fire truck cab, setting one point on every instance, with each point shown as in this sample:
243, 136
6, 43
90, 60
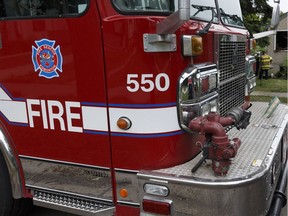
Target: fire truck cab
135, 107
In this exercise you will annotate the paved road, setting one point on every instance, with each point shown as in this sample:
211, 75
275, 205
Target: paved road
38, 211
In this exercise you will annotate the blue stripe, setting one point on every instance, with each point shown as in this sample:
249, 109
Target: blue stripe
93, 104
19, 99
10, 95
147, 135
96, 132
6, 91
18, 124
143, 105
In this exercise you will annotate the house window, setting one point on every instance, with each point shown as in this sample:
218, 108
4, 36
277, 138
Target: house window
281, 40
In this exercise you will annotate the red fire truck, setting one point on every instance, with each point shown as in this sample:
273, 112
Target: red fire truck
135, 107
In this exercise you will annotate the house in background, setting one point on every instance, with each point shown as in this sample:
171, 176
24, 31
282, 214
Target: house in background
278, 49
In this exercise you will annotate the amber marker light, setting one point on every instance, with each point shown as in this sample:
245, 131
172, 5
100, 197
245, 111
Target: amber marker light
123, 193
197, 45
192, 45
124, 123
253, 44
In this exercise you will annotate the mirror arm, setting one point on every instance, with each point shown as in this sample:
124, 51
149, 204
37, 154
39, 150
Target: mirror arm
176, 19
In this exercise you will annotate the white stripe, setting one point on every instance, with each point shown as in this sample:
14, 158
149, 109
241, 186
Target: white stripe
14, 111
146, 121
4, 95
94, 118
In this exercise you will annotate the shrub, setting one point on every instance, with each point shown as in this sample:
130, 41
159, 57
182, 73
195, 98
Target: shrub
282, 73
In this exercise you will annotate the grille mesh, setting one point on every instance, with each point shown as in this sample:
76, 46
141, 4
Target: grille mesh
232, 74
232, 94
231, 59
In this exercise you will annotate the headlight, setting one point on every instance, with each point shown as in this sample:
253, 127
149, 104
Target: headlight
156, 190
251, 83
249, 65
250, 76
197, 93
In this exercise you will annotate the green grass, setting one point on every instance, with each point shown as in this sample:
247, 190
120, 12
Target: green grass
271, 85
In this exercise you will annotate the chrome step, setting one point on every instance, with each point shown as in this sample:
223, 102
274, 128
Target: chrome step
71, 203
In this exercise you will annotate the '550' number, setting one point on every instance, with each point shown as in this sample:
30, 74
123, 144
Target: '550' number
147, 82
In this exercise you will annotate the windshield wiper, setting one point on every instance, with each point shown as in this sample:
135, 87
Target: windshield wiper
236, 18
233, 17
201, 8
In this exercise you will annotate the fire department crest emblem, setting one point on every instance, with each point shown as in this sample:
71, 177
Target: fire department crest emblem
46, 59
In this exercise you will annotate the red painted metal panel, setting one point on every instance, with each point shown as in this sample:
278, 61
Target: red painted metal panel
124, 54
82, 80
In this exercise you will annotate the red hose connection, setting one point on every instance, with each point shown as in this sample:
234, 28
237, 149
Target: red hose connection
218, 146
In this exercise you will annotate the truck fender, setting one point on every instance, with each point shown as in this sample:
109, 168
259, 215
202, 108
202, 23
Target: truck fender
12, 162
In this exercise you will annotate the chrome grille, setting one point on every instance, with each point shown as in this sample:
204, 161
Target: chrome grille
231, 94
231, 64
231, 59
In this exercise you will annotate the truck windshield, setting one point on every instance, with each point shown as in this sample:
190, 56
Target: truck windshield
199, 9
230, 12
203, 10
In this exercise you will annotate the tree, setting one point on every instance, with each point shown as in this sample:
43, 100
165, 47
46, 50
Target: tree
256, 16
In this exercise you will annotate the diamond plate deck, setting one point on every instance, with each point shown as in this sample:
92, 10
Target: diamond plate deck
256, 142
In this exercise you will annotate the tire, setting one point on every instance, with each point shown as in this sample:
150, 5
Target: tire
8, 205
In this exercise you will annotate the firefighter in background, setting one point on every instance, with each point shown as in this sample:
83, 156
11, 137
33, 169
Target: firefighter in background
265, 61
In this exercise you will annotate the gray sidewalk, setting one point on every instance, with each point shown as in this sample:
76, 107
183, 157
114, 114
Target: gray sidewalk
278, 94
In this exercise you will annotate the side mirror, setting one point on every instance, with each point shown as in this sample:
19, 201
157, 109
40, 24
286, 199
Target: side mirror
275, 16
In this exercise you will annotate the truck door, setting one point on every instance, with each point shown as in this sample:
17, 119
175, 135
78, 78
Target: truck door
53, 98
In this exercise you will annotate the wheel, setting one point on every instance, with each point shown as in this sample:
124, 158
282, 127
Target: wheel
9, 205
